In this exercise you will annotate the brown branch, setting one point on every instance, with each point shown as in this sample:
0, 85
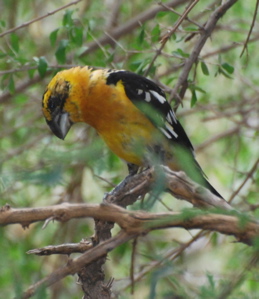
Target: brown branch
223, 49
18, 89
171, 255
132, 265
180, 15
237, 278
248, 176
132, 188
74, 266
177, 183
204, 35
135, 223
129, 26
229, 47
166, 37
113, 15
19, 150
124, 194
251, 28
213, 139
67, 249
39, 18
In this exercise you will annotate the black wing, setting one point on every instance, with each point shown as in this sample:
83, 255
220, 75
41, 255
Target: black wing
151, 101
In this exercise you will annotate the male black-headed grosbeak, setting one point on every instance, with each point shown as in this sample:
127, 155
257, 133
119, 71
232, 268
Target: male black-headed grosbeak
129, 111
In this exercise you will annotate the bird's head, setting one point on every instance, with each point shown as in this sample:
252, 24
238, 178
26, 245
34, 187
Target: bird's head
61, 102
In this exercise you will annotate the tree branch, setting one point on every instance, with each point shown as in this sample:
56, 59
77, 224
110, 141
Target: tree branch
170, 32
39, 18
204, 35
74, 266
136, 223
67, 249
129, 26
127, 192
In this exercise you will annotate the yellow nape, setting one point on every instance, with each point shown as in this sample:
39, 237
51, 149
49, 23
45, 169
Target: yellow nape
88, 98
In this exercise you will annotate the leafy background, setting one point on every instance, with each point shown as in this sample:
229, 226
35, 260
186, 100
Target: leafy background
219, 112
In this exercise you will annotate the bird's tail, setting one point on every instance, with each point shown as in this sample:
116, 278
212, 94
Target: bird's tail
193, 170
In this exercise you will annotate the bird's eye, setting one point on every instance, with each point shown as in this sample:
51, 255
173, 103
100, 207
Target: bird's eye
54, 102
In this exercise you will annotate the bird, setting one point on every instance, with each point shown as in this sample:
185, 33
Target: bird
129, 111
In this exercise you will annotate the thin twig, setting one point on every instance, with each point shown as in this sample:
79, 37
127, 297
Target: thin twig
166, 37
74, 266
171, 255
251, 28
129, 26
177, 13
39, 18
230, 285
214, 138
249, 175
132, 266
209, 27
67, 249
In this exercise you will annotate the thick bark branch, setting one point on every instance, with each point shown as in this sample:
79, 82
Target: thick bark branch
135, 223
124, 194
139, 222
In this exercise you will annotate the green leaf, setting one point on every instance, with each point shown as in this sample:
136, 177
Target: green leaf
11, 85
194, 98
180, 53
191, 29
204, 69
155, 33
20, 99
141, 35
3, 55
222, 72
77, 36
61, 51
31, 73
42, 66
162, 15
193, 88
228, 68
14, 39
2, 23
110, 58
197, 88
138, 66
53, 37
67, 19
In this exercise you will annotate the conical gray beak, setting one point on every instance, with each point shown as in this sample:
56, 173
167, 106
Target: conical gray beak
60, 125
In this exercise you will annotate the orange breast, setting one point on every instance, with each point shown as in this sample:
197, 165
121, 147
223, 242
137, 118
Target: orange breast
123, 127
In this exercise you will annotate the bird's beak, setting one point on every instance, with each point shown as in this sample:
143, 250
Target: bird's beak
60, 125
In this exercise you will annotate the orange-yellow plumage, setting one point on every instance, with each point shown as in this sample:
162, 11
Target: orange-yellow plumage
106, 108
130, 113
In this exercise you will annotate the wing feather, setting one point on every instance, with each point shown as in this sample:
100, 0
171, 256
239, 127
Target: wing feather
151, 101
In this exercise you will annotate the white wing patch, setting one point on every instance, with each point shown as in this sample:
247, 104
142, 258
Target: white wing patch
165, 133
140, 91
171, 129
160, 98
147, 96
171, 117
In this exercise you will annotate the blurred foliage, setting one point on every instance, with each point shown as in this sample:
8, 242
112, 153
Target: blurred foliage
220, 114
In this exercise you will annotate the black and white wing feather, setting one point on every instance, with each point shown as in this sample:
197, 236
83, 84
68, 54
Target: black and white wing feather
151, 101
